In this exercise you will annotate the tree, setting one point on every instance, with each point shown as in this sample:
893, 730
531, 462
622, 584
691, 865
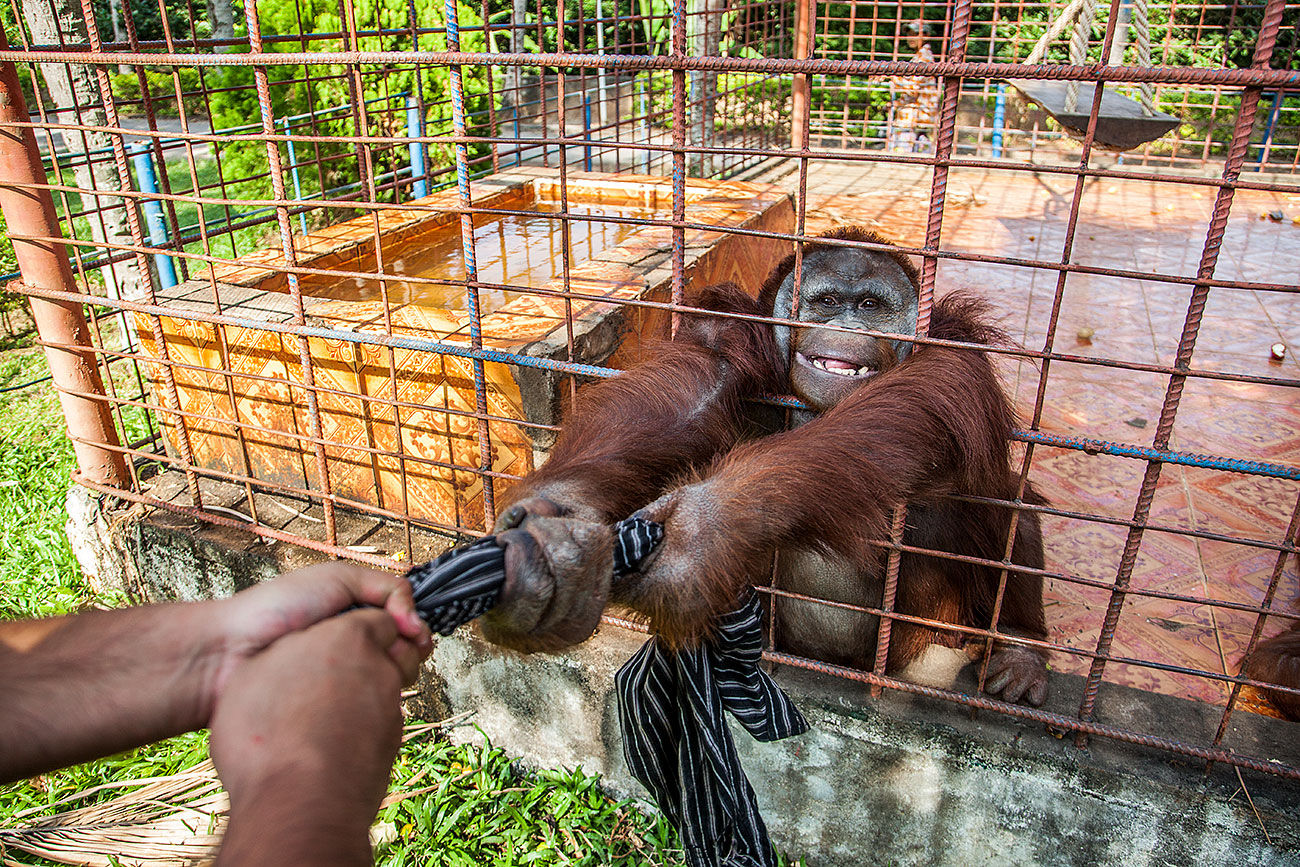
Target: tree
77, 98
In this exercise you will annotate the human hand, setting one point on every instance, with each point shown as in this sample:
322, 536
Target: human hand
304, 735
558, 573
257, 617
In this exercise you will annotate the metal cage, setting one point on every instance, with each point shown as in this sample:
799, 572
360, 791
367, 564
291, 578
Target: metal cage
209, 206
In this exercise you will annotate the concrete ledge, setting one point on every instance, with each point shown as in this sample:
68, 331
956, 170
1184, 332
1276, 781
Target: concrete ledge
905, 780
899, 780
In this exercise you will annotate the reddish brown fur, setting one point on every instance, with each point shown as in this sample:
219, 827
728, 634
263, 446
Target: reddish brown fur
937, 423
1278, 661
630, 435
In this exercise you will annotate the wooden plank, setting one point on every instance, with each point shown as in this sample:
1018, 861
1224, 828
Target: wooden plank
1122, 124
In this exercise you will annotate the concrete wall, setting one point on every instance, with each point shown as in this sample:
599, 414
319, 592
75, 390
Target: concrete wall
899, 780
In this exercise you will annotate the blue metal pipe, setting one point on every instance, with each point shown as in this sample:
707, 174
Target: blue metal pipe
1268, 128
293, 172
519, 148
154, 220
999, 119
415, 129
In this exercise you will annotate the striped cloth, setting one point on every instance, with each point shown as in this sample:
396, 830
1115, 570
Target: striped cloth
466, 582
460, 585
671, 705
676, 740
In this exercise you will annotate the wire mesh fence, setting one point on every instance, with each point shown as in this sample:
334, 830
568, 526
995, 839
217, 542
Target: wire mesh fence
331, 272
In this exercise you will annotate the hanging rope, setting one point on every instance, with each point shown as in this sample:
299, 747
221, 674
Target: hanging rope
1122, 123
1142, 27
1062, 21
1079, 49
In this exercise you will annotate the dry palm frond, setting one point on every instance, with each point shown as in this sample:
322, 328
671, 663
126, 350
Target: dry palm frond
172, 821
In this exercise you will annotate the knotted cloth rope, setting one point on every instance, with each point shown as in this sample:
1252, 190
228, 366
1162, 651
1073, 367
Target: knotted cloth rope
671, 703
676, 740
466, 582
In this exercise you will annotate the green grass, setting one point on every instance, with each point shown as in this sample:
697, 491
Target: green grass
483, 810
38, 574
480, 808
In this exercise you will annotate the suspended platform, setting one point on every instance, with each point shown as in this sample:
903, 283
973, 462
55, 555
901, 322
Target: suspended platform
1121, 122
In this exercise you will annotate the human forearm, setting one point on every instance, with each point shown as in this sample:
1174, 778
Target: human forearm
304, 737
78, 687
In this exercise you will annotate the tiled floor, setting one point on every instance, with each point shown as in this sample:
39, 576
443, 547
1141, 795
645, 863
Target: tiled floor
1147, 227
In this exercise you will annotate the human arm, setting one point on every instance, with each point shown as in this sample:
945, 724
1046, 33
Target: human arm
91, 684
304, 737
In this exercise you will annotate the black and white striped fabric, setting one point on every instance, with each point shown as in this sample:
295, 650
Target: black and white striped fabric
671, 705
677, 743
466, 582
460, 585
634, 539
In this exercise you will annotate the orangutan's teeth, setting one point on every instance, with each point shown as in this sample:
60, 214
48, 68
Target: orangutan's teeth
820, 364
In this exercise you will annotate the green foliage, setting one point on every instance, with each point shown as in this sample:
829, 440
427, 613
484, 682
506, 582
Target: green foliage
313, 106
147, 19
8, 264
1234, 30
161, 89
38, 574
482, 810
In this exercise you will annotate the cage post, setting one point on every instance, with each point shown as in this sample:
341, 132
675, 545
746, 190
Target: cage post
602, 83
643, 125
155, 222
29, 212
803, 15
586, 119
414, 130
468, 256
518, 21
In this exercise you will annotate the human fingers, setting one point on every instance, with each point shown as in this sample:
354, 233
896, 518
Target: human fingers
355, 584
408, 655
376, 624
309, 695
300, 598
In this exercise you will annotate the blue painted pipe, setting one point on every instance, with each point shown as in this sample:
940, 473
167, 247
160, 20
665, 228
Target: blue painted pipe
415, 129
154, 220
1273, 113
297, 182
999, 119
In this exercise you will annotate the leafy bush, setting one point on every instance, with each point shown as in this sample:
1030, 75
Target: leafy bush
162, 91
